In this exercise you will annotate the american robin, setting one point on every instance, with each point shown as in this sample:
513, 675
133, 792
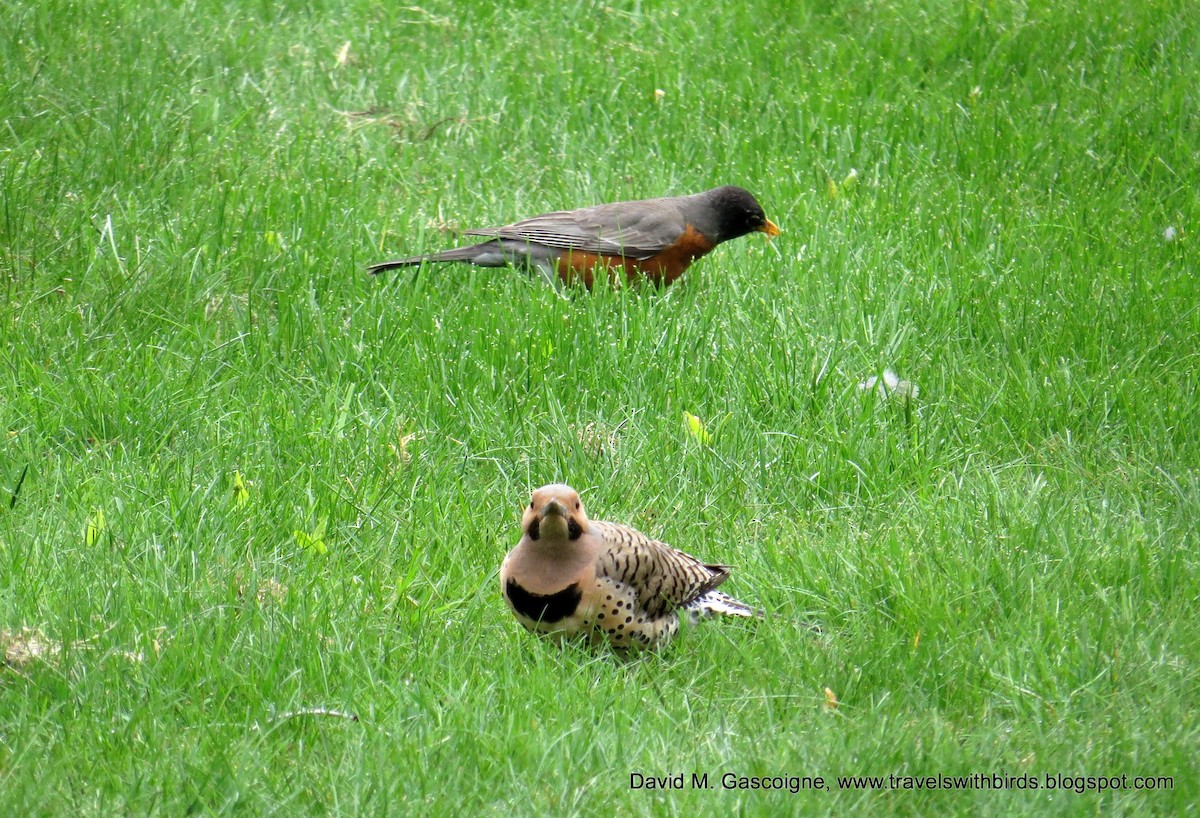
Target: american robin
654, 238
605, 582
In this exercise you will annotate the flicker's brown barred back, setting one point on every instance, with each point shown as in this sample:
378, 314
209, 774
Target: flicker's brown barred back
571, 576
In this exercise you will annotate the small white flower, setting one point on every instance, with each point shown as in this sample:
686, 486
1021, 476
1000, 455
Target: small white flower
890, 384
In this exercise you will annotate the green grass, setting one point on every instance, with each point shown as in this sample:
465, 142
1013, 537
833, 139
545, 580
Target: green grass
1005, 569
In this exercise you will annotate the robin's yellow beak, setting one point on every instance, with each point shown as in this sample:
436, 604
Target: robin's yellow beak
770, 229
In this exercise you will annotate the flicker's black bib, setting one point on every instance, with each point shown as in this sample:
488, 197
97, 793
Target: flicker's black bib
547, 608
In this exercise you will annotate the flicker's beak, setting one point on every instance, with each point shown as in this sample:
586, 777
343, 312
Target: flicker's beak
553, 507
770, 229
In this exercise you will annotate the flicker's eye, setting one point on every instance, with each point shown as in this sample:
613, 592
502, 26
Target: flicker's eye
531, 504
577, 505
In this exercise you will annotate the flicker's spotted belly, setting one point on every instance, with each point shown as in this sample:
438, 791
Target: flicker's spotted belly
621, 622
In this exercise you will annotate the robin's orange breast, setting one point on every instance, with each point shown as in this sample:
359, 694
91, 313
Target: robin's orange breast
662, 268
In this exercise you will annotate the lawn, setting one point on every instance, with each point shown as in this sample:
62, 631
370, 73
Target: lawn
253, 501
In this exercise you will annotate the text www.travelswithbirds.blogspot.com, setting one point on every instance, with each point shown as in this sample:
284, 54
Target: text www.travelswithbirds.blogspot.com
1046, 782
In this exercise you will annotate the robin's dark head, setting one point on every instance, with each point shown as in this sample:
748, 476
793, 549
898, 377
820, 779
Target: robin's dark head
555, 511
733, 212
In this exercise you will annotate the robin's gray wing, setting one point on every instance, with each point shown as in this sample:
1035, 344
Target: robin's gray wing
637, 230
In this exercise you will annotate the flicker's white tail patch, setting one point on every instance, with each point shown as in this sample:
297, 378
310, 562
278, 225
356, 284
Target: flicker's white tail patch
715, 603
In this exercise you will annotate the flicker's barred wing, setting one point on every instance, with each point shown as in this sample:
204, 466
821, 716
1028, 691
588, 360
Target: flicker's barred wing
663, 578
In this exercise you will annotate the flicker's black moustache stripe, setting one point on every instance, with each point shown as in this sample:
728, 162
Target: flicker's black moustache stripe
548, 608
574, 529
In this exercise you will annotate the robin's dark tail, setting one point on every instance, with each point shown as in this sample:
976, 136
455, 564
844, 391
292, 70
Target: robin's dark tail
468, 254
411, 261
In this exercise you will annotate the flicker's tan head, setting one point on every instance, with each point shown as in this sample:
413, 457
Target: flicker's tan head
555, 512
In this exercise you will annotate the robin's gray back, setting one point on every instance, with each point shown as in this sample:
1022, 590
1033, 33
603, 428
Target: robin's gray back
639, 229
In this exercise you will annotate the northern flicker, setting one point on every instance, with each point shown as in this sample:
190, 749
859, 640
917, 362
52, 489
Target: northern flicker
571, 576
